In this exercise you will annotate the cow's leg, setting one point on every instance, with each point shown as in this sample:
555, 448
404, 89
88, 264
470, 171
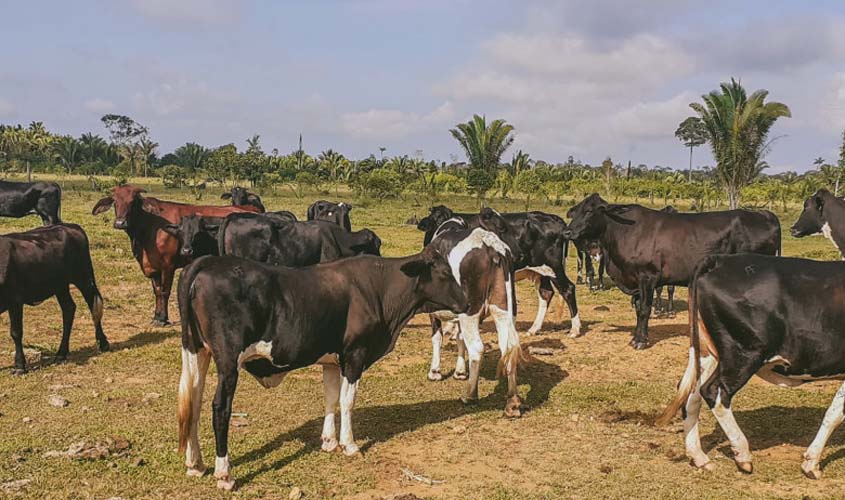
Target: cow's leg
601, 271
353, 368
16, 331
646, 297
436, 342
566, 289
166, 286
580, 257
832, 418
155, 280
461, 362
670, 291
475, 351
95, 304
692, 437
591, 270
227, 381
192, 384
511, 353
68, 312
658, 300
545, 293
332, 388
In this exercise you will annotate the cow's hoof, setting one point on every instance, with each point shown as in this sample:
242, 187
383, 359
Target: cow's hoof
639, 346
708, 466
671, 314
104, 346
514, 406
811, 470
60, 358
469, 401
226, 484
574, 334
195, 471
18, 371
460, 375
435, 375
745, 467
329, 445
532, 331
160, 323
352, 450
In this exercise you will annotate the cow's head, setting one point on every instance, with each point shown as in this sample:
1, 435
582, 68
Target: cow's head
241, 197
126, 200
190, 229
370, 243
436, 216
492, 221
812, 218
590, 217
331, 212
436, 285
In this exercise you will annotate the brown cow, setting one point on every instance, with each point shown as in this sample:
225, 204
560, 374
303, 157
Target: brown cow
156, 250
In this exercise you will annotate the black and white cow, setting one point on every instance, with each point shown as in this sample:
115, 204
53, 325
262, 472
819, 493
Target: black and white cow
330, 211
590, 258
482, 263
647, 248
823, 214
782, 319
241, 197
43, 263
19, 199
271, 320
539, 251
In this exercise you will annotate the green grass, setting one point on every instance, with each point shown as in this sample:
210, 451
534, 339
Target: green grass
587, 435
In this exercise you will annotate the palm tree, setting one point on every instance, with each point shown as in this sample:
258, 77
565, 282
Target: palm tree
520, 161
93, 146
192, 156
146, 149
38, 143
738, 128
484, 144
332, 162
692, 133
68, 151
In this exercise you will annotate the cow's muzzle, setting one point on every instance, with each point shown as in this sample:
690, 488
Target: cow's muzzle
568, 234
187, 252
120, 224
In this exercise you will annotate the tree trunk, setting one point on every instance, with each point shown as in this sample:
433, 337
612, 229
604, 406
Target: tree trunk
28, 172
733, 197
690, 164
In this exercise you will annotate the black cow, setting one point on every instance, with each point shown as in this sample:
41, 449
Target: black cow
19, 199
241, 197
271, 320
331, 212
823, 214
267, 238
43, 263
483, 264
659, 306
648, 248
782, 319
539, 253
198, 235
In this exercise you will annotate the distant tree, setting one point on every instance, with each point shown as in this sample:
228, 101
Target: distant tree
68, 151
191, 157
221, 163
530, 184
93, 147
146, 152
484, 144
607, 173
692, 133
520, 161
479, 181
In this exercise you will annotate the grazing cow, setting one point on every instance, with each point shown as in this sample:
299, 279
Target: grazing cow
539, 252
270, 320
823, 214
331, 212
198, 235
590, 256
782, 319
648, 248
241, 197
267, 238
482, 264
43, 263
145, 221
19, 199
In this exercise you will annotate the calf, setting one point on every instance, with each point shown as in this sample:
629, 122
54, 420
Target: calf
19, 199
270, 320
539, 252
331, 212
779, 318
482, 264
648, 248
823, 214
145, 221
268, 239
43, 263
198, 235
590, 256
241, 198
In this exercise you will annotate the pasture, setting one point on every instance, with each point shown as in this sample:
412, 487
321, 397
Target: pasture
588, 433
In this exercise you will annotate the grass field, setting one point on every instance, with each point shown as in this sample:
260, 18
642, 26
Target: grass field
587, 435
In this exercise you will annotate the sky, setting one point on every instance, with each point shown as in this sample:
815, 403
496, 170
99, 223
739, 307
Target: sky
587, 78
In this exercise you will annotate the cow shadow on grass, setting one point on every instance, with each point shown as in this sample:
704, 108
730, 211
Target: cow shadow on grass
656, 333
381, 423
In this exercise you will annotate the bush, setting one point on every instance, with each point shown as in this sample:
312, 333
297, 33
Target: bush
380, 184
479, 181
173, 176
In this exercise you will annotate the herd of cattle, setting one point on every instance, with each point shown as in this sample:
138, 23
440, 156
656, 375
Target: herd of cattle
266, 293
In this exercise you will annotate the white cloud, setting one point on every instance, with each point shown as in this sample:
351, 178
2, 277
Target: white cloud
6, 108
190, 11
395, 124
184, 98
98, 105
654, 119
833, 105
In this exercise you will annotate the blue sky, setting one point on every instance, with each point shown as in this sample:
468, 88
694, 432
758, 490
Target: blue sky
588, 78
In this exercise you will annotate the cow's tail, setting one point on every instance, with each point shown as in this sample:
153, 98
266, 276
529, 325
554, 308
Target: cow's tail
513, 354
221, 237
191, 343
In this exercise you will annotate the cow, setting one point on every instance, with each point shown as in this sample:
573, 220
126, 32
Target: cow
331, 212
647, 248
241, 197
145, 221
590, 256
483, 265
198, 234
266, 238
782, 319
659, 307
269, 320
824, 214
42, 263
19, 199
539, 251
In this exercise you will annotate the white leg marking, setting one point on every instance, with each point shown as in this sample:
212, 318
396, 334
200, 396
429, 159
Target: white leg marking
331, 387
461, 363
575, 330
221, 472
542, 307
347, 402
692, 438
832, 418
195, 367
739, 444
508, 338
471, 336
436, 342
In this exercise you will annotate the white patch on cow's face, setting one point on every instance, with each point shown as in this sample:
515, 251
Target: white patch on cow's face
261, 349
543, 270
828, 233
476, 239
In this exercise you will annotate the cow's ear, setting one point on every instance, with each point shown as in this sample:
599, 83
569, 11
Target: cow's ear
150, 206
226, 196
492, 221
102, 205
417, 268
5, 258
171, 229
348, 207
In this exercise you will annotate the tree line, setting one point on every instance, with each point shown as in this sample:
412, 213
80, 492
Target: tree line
733, 123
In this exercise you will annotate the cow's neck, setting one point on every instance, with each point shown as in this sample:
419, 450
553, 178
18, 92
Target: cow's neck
834, 226
399, 301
